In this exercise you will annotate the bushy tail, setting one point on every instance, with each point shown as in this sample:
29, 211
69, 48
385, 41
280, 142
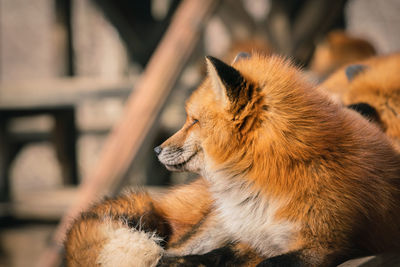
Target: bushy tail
117, 232
129, 247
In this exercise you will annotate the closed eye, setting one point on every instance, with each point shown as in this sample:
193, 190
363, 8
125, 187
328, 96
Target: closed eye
194, 122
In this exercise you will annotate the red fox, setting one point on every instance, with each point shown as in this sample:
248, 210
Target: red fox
338, 49
372, 87
291, 178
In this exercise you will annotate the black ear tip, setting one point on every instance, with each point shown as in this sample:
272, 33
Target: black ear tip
353, 70
213, 60
224, 70
210, 58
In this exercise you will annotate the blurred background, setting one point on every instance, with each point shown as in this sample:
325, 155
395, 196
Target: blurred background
69, 68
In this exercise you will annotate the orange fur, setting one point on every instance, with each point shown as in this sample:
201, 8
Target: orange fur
337, 50
333, 176
378, 85
290, 176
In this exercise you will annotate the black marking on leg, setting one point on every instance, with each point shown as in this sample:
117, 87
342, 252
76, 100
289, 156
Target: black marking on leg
221, 257
192, 231
286, 260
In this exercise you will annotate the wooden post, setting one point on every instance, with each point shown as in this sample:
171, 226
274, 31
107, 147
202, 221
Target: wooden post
140, 112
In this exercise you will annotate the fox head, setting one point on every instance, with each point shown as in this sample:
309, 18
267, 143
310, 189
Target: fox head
249, 117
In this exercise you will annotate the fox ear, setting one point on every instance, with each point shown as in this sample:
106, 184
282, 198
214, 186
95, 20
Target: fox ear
353, 70
240, 56
225, 80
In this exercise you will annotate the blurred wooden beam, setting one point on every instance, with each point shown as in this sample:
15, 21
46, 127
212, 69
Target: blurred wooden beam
36, 204
63, 10
141, 110
47, 93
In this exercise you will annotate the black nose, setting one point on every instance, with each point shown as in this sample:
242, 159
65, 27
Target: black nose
158, 150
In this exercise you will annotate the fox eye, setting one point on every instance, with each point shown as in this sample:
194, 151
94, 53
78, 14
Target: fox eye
193, 122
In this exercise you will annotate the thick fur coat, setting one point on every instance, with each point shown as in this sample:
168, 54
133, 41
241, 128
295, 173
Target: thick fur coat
291, 177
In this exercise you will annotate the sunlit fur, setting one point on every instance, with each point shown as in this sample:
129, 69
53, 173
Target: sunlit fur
314, 177
338, 49
286, 170
378, 85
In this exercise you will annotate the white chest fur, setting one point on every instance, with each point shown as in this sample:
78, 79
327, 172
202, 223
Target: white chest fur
250, 217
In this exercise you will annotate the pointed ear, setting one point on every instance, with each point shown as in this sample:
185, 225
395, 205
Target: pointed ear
240, 56
353, 70
225, 80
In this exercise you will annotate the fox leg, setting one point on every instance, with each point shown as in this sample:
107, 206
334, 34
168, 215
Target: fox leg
293, 259
190, 212
233, 254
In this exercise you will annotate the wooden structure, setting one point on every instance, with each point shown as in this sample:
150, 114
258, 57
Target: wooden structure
57, 98
141, 109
